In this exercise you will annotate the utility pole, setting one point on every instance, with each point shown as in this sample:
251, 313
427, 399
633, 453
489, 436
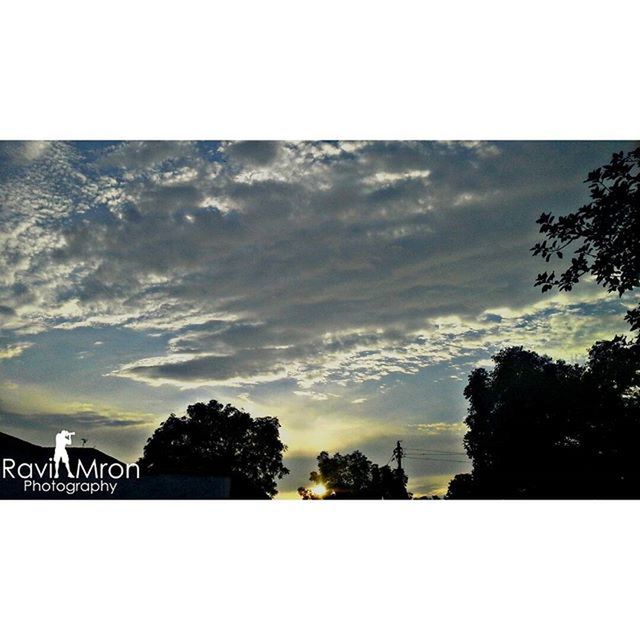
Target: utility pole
397, 454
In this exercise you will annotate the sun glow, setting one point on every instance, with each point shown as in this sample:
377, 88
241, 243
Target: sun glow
319, 490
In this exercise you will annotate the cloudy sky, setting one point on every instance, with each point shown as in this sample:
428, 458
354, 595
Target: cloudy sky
346, 287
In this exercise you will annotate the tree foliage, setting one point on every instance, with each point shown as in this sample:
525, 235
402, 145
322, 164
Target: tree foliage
218, 440
540, 428
603, 235
354, 476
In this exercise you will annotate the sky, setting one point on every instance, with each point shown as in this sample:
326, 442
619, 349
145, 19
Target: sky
348, 288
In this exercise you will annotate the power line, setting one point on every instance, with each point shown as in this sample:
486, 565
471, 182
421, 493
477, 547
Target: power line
415, 449
454, 455
435, 455
437, 459
401, 453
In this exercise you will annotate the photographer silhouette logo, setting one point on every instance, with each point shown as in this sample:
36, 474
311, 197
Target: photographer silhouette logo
63, 439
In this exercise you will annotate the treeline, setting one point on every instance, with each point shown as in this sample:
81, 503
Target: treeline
540, 428
545, 429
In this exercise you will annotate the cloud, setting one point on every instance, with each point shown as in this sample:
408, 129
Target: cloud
19, 153
81, 419
13, 350
253, 153
316, 263
143, 156
556, 328
441, 428
431, 485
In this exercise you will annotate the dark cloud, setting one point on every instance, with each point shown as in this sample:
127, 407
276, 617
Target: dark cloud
285, 259
139, 155
84, 420
253, 153
121, 435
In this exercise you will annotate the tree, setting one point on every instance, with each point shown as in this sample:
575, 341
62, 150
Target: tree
604, 234
540, 428
218, 440
353, 476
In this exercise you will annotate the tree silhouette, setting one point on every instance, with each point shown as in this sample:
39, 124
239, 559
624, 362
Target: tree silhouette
540, 428
604, 235
354, 476
217, 440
